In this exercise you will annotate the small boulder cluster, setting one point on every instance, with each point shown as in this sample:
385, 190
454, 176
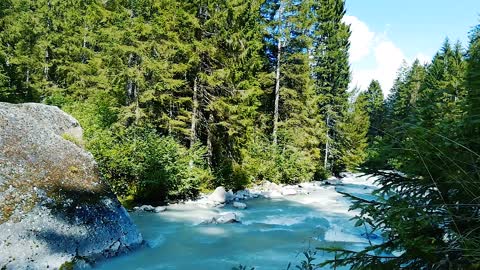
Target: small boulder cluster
149, 208
220, 197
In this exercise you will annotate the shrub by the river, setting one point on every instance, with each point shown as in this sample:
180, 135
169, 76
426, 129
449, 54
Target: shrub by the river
145, 167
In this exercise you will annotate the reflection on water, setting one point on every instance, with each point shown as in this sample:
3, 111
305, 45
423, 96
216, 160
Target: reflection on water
272, 233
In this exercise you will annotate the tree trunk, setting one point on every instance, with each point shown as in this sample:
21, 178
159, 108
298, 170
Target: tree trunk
170, 114
277, 80
45, 69
327, 145
193, 129
209, 141
130, 83
137, 104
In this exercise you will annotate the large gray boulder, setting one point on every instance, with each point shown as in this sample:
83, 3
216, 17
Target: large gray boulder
54, 207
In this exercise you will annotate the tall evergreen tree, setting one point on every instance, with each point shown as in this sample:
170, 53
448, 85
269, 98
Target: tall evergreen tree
473, 86
331, 73
353, 131
443, 94
375, 109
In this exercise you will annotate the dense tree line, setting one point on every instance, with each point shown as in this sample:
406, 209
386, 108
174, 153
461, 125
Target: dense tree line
176, 96
429, 214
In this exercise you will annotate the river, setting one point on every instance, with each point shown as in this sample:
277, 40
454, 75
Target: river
272, 232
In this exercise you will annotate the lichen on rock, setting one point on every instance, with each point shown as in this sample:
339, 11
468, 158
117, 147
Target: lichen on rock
54, 206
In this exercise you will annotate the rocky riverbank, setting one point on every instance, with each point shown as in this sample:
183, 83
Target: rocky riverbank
220, 197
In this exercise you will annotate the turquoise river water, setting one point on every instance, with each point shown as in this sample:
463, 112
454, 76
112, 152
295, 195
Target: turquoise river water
272, 232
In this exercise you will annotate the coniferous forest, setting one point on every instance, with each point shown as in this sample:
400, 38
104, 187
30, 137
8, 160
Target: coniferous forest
177, 97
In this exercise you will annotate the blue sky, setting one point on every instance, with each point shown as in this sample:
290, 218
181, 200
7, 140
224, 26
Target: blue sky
386, 32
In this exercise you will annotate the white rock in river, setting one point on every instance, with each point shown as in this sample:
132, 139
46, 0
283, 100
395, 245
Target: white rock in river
149, 208
270, 186
239, 205
59, 207
219, 195
272, 194
227, 218
287, 191
222, 219
145, 208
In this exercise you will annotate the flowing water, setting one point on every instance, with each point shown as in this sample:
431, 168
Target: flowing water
272, 232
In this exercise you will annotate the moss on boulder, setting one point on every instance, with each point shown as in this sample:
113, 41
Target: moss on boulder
54, 206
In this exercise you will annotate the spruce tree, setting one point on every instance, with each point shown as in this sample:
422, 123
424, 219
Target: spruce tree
353, 131
331, 73
375, 109
473, 85
443, 94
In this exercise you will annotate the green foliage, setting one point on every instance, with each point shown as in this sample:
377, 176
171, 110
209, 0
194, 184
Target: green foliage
138, 162
354, 136
67, 266
375, 109
331, 73
428, 214
157, 85
263, 161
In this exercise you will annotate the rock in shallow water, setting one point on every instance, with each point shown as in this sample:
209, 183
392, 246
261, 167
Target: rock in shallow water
218, 196
149, 208
239, 205
227, 218
54, 207
272, 194
222, 219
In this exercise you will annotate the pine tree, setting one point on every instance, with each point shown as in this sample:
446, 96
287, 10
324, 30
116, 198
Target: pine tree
443, 94
375, 109
473, 86
331, 73
20, 48
353, 131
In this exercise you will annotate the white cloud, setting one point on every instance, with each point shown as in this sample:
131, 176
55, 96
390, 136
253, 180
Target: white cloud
361, 39
389, 59
385, 56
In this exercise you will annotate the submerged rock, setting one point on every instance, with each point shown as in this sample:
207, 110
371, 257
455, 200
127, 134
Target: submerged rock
239, 205
54, 207
230, 196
